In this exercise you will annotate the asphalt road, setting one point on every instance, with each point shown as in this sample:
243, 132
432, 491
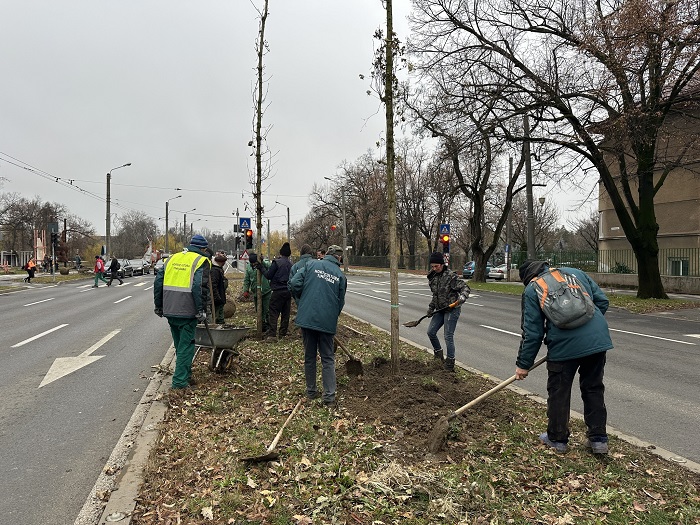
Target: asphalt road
651, 381
61, 418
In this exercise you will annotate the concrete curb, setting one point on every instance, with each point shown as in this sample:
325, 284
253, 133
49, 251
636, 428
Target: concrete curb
654, 449
129, 456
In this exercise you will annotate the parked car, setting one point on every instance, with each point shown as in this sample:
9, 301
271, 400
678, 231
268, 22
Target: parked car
126, 270
140, 266
498, 273
468, 270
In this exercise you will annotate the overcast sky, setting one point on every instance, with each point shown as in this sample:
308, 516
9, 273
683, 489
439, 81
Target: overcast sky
166, 85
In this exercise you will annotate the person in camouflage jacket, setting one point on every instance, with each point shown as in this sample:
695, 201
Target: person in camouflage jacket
449, 292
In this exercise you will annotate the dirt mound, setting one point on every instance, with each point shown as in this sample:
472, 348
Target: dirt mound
412, 402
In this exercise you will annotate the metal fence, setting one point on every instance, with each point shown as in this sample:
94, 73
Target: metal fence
672, 261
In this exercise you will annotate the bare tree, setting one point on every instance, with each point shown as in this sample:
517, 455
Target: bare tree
260, 147
604, 79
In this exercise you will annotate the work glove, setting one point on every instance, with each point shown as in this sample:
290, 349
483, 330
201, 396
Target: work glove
201, 317
158, 312
431, 311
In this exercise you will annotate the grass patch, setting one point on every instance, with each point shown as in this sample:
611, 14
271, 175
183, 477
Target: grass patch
627, 302
365, 461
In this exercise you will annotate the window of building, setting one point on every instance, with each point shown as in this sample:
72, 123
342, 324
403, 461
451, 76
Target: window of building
678, 266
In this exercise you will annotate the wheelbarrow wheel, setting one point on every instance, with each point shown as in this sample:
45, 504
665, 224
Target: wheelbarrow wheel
221, 359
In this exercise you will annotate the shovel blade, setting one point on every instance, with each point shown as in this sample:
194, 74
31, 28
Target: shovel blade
270, 456
411, 324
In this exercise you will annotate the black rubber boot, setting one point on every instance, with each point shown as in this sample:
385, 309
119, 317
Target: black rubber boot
450, 365
438, 354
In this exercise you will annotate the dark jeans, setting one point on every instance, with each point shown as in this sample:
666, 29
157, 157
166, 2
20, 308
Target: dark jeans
112, 276
321, 343
449, 319
280, 304
559, 383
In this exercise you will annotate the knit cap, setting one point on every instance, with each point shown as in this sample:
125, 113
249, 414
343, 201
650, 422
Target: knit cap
199, 241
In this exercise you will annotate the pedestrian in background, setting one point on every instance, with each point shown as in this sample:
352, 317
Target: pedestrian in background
281, 301
47, 264
99, 270
219, 284
30, 267
319, 290
114, 266
181, 294
583, 350
320, 253
250, 286
449, 293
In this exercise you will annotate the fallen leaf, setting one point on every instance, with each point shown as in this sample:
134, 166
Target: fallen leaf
208, 513
639, 507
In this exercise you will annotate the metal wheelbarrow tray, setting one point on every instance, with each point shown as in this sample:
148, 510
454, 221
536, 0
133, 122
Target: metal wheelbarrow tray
225, 339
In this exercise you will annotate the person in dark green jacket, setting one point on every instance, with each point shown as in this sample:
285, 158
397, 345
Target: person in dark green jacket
583, 350
319, 290
250, 284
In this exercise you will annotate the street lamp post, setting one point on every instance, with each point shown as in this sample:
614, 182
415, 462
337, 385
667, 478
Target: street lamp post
289, 237
184, 220
166, 222
107, 216
345, 231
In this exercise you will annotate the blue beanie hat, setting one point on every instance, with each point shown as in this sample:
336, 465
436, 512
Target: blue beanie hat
199, 241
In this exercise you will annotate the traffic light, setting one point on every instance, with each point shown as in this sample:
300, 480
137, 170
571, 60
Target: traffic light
248, 239
445, 240
54, 239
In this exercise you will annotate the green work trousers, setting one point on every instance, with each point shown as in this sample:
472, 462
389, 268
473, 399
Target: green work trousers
183, 339
220, 319
100, 276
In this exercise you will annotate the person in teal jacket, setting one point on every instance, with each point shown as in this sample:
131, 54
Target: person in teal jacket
583, 350
319, 290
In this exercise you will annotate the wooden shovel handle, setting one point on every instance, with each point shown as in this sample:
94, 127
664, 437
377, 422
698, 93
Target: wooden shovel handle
342, 347
499, 386
279, 434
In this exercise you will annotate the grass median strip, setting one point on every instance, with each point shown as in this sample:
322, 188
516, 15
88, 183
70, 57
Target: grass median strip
366, 460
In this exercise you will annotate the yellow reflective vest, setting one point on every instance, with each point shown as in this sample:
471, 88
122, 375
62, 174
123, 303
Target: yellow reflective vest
181, 282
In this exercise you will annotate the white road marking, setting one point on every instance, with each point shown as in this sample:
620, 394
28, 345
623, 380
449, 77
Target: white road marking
652, 337
148, 288
422, 294
371, 296
140, 284
693, 335
385, 291
124, 299
84, 286
42, 301
65, 365
499, 330
42, 334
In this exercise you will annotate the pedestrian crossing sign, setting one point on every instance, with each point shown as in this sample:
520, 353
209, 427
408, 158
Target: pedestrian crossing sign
244, 223
444, 228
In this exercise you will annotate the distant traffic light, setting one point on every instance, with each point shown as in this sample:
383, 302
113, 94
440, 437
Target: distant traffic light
54, 239
445, 240
248, 239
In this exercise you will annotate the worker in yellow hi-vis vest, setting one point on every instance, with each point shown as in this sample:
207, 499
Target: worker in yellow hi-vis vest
181, 294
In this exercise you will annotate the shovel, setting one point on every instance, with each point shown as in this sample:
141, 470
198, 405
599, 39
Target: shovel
438, 436
354, 366
411, 324
270, 453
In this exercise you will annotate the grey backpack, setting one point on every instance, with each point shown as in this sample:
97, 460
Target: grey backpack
563, 299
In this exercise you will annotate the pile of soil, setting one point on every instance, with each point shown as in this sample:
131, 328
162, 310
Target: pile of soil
413, 401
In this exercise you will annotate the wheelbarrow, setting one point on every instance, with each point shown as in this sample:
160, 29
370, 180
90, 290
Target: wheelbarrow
223, 340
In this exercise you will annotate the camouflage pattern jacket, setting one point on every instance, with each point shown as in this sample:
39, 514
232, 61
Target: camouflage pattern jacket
447, 287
